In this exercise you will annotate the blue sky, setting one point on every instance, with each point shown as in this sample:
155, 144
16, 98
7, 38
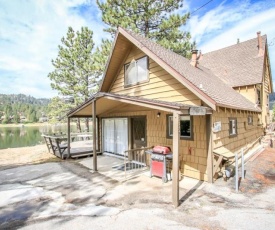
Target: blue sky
31, 30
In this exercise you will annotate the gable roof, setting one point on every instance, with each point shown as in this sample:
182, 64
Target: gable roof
201, 81
239, 64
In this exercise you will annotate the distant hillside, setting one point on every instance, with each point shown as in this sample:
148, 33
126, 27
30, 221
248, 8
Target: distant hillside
16, 108
22, 98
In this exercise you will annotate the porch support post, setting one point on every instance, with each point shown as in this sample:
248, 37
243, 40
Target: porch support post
209, 143
94, 136
175, 174
69, 137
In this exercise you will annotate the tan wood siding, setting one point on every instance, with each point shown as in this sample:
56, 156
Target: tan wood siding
161, 84
193, 153
249, 92
246, 134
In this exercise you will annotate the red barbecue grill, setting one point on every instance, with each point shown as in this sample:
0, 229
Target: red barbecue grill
158, 163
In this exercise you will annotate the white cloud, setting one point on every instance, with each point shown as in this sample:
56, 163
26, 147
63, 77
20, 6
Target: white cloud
29, 37
244, 30
224, 24
31, 32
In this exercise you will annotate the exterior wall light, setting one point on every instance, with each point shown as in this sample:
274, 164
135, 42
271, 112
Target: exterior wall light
158, 114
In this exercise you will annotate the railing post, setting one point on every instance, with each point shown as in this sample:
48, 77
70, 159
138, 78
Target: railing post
242, 165
236, 172
125, 162
94, 136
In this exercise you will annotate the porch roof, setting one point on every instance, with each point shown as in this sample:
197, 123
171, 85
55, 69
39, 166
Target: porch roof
109, 102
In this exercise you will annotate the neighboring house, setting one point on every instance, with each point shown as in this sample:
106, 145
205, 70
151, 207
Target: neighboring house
43, 119
151, 96
23, 118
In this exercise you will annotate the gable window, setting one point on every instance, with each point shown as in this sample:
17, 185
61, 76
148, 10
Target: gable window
186, 127
232, 126
136, 71
250, 120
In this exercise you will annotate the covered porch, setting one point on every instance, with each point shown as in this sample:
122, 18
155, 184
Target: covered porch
107, 105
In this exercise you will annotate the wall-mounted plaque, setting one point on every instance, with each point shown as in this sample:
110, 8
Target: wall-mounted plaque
217, 126
197, 111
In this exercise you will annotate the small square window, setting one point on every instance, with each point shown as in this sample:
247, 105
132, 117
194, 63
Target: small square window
233, 127
136, 71
250, 120
185, 127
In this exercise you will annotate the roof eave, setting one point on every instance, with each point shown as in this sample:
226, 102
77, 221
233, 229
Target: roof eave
108, 62
84, 104
239, 108
269, 67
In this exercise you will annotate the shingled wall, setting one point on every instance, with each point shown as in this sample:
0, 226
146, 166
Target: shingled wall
193, 154
246, 133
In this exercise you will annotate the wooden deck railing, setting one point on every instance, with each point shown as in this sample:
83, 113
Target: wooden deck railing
135, 160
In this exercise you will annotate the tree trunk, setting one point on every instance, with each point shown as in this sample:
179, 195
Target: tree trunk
87, 124
78, 127
146, 28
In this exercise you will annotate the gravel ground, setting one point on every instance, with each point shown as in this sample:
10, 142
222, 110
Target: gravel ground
67, 195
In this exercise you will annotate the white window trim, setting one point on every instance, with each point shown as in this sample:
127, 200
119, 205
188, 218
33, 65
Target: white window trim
250, 120
234, 130
169, 135
126, 84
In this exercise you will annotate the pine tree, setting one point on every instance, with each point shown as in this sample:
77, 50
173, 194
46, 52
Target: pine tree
101, 56
74, 74
16, 117
152, 18
57, 109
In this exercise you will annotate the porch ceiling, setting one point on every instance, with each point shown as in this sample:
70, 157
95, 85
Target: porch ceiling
108, 102
106, 105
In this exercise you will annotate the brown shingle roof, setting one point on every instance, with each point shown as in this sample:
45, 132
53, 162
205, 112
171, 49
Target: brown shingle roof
237, 65
202, 79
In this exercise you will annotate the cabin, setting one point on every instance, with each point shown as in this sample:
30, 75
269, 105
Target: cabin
203, 108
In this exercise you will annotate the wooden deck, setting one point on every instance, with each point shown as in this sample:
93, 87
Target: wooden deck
58, 146
81, 149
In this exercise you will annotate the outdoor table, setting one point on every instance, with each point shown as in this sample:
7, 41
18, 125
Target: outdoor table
55, 143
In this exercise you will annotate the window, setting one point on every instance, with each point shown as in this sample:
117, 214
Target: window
250, 120
136, 71
186, 131
232, 126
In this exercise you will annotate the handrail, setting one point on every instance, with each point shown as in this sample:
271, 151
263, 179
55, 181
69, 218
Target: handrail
131, 150
239, 152
138, 156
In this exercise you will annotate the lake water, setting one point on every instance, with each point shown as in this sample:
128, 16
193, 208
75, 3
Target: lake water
14, 137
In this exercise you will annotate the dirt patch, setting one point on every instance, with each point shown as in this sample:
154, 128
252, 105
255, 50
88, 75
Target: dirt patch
27, 155
260, 173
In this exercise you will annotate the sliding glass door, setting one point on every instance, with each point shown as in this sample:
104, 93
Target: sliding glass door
115, 135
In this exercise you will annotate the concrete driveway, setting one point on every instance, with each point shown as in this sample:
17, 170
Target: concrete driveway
67, 195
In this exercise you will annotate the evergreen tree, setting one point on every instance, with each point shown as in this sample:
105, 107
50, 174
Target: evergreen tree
16, 117
74, 74
154, 19
8, 114
19, 104
101, 56
57, 109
